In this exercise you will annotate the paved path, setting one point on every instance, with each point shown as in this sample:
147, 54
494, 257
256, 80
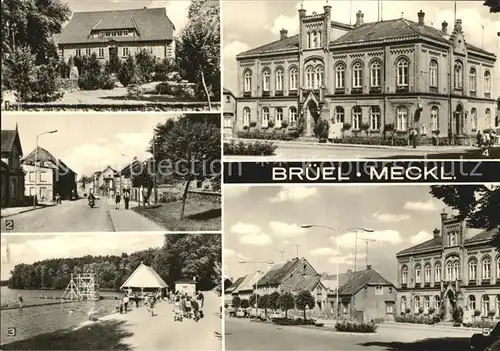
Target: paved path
130, 221
241, 334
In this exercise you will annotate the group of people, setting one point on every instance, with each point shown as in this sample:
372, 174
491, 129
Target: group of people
126, 199
187, 306
485, 138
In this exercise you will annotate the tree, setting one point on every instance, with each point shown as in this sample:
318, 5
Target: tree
146, 64
253, 299
273, 300
286, 302
83, 181
217, 278
236, 302
20, 67
245, 304
304, 300
128, 72
264, 303
143, 177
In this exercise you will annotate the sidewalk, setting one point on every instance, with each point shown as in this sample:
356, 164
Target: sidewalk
12, 211
130, 221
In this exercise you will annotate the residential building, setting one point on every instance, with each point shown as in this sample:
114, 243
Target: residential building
319, 292
363, 295
186, 285
229, 113
12, 174
47, 176
118, 32
105, 181
228, 293
454, 268
367, 79
247, 287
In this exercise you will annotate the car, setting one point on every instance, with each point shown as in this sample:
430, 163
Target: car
489, 340
96, 196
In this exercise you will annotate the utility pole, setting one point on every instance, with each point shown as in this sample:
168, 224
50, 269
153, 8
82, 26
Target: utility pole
154, 170
297, 247
281, 254
366, 243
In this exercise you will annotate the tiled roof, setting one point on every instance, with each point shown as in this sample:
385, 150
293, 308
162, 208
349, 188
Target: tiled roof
234, 285
279, 272
352, 282
276, 46
307, 284
8, 139
249, 282
434, 243
45, 156
185, 281
483, 236
151, 24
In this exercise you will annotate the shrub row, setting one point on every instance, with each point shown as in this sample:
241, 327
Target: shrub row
356, 327
274, 135
291, 321
257, 148
479, 324
418, 319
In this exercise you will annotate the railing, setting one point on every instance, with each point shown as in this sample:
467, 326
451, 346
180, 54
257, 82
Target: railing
356, 90
375, 89
402, 89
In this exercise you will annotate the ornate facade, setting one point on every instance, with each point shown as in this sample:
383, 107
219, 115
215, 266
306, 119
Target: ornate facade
365, 78
452, 269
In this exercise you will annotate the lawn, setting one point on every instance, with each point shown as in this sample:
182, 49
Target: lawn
199, 215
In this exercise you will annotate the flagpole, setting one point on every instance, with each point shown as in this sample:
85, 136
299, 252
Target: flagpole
454, 12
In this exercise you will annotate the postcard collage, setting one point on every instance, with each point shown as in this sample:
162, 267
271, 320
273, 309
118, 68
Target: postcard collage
250, 175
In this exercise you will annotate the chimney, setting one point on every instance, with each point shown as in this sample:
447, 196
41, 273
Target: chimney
369, 267
444, 27
302, 12
421, 16
436, 233
327, 8
444, 216
359, 18
283, 34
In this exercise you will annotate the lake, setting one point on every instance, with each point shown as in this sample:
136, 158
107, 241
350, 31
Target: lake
31, 321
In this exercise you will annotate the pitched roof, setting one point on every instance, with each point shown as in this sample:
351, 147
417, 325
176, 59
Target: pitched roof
150, 24
486, 235
280, 271
352, 282
185, 281
144, 277
9, 138
227, 91
249, 282
276, 46
235, 285
308, 284
44, 156
432, 244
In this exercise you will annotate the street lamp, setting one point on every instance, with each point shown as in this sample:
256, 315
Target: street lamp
256, 262
307, 226
36, 161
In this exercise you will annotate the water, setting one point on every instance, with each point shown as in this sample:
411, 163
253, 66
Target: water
31, 321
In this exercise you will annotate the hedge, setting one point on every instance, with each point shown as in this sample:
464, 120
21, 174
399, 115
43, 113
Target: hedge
356, 327
274, 135
257, 148
418, 319
290, 321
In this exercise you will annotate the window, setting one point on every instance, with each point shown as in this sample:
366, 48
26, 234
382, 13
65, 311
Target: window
345, 309
485, 305
433, 74
472, 80
78, 52
32, 176
473, 118
340, 76
427, 273
379, 290
310, 77
487, 118
279, 117
375, 118
246, 117
471, 303
228, 122
357, 75
228, 99
293, 116
486, 269
308, 39
418, 274
498, 268
434, 118
458, 79
279, 79
417, 303
265, 117
404, 275
449, 271
314, 40
318, 41
389, 308
375, 74
427, 303
339, 114
437, 302
437, 273
266, 80
318, 81
402, 72
44, 177
125, 52
473, 269
293, 78
247, 85
401, 118
101, 52
88, 52
356, 117
487, 82
453, 239
456, 270
403, 304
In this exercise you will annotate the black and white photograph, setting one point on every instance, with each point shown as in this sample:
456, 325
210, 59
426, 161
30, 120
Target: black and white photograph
374, 267
111, 55
361, 79
111, 292
104, 172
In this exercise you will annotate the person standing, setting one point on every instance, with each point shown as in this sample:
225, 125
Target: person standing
126, 198
201, 298
136, 300
20, 299
118, 200
125, 302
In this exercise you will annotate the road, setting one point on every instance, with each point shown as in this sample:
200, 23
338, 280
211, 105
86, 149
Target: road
242, 334
77, 216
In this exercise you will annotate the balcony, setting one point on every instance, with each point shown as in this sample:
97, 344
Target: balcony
357, 90
293, 93
266, 93
279, 93
247, 94
472, 282
402, 89
375, 90
339, 91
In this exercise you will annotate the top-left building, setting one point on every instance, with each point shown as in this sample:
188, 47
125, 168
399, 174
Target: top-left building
125, 32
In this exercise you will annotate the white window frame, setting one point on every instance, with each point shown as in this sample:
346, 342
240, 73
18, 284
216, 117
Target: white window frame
375, 74
433, 74
473, 269
458, 74
485, 305
293, 78
357, 116
101, 52
279, 79
375, 118
471, 302
472, 80
319, 77
309, 77
473, 118
434, 118
293, 115
402, 118
78, 53
427, 273
437, 272
437, 302
418, 274
266, 80
339, 114
88, 52
340, 76
247, 81
404, 275
265, 117
456, 270
278, 117
449, 271
402, 72
357, 75
487, 82
246, 116
125, 51
486, 268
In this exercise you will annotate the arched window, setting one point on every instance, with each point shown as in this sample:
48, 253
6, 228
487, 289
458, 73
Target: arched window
356, 117
314, 40
498, 268
402, 72
486, 268
433, 74
375, 118
247, 86
246, 117
310, 77
437, 302
449, 271
427, 273
279, 117
404, 305
293, 78
266, 80
472, 269
357, 75
471, 303
279, 79
453, 239
293, 116
404, 275
309, 39
375, 73
418, 274
402, 118
485, 305
456, 270
487, 83
487, 118
339, 114
318, 41
318, 81
417, 303
434, 118
340, 76
437, 273
427, 303
265, 117
472, 80
458, 75
473, 118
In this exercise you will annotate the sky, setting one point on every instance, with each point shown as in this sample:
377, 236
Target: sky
177, 10
87, 142
269, 17
32, 248
400, 218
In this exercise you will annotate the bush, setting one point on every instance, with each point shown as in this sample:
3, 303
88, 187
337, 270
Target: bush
45, 87
356, 327
458, 315
168, 197
146, 65
479, 324
128, 73
321, 129
163, 70
257, 134
418, 319
91, 74
291, 321
257, 148
134, 91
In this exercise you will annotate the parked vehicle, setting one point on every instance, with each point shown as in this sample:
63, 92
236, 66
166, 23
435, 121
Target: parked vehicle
489, 340
96, 195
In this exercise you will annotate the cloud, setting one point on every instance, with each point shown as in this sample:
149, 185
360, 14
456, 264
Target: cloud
176, 10
382, 237
294, 194
244, 228
256, 239
232, 254
235, 191
421, 206
389, 217
285, 229
323, 251
134, 139
234, 48
420, 237
348, 259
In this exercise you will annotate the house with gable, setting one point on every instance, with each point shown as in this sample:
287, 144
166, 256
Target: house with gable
229, 292
12, 174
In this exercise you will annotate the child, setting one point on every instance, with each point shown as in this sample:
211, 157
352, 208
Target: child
118, 200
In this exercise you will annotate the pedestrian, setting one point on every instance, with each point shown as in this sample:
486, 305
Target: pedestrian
125, 302
20, 299
126, 198
479, 138
136, 300
201, 298
117, 200
121, 307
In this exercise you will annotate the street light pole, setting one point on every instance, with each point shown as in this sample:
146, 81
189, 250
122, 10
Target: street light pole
255, 263
36, 162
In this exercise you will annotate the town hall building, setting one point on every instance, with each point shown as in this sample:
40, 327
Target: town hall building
367, 79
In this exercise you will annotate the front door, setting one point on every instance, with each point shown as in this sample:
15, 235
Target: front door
312, 117
449, 305
458, 120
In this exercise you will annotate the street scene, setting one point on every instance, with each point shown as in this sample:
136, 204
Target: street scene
106, 173
69, 55
409, 80
121, 295
364, 267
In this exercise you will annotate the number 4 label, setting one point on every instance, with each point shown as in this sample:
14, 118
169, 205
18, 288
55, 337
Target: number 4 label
486, 152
